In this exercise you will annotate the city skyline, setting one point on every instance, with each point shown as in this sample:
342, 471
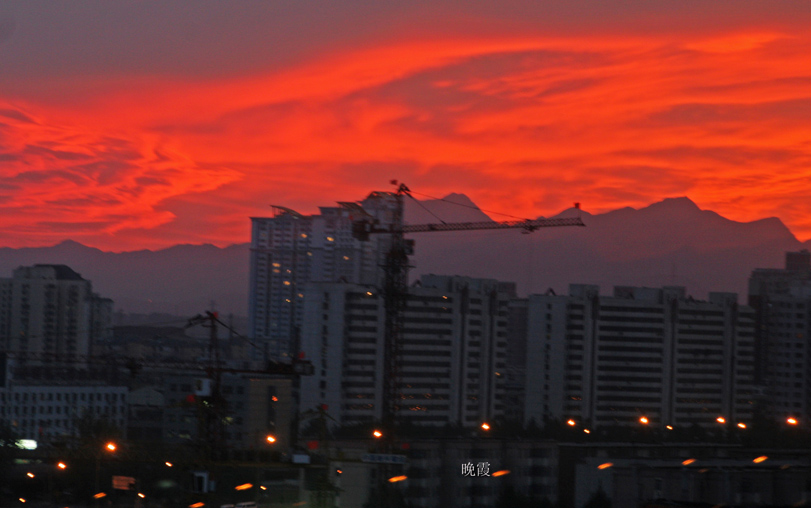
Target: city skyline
146, 125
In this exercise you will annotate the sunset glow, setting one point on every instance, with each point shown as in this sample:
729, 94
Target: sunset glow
524, 123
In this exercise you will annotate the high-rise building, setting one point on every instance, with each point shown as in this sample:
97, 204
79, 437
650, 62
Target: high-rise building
51, 311
451, 360
290, 250
782, 300
643, 352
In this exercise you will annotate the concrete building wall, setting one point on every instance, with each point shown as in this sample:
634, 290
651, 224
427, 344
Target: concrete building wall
642, 352
452, 358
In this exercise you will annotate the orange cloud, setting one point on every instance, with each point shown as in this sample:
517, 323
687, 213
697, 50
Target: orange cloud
525, 125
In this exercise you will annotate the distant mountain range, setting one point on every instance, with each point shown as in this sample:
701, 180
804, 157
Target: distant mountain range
671, 242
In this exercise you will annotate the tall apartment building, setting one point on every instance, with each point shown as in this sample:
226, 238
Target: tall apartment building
452, 357
609, 360
782, 300
290, 250
51, 310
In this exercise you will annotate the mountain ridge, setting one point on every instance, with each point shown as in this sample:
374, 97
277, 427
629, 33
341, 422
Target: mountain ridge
669, 242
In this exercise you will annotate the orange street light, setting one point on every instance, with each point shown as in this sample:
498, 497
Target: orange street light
141, 495
197, 505
485, 426
396, 479
30, 475
669, 427
110, 446
587, 431
271, 439
721, 419
688, 462
760, 459
644, 420
571, 423
244, 486
605, 465
99, 495
377, 434
502, 472
741, 425
791, 420
61, 465
168, 464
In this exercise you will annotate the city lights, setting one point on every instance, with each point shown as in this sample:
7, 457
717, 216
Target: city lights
168, 464
111, 446
61, 465
396, 479
502, 472
271, 438
643, 420
741, 425
760, 459
688, 462
571, 423
791, 420
605, 465
244, 486
377, 434
485, 426
721, 419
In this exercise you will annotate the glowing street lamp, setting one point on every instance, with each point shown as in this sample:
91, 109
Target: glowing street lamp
571, 423
271, 439
791, 420
61, 465
377, 434
760, 459
485, 426
644, 420
721, 419
111, 447
396, 479
741, 425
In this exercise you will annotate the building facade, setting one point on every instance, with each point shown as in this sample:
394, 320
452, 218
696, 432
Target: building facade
643, 352
452, 356
53, 412
50, 311
290, 250
782, 300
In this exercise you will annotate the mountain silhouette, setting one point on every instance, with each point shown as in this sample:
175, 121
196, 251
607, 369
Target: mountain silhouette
671, 242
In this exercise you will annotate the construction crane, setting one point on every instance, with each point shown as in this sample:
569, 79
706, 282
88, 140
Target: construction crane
395, 285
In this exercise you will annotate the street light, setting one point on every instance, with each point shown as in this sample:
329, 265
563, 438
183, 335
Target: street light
644, 420
377, 434
571, 423
110, 446
721, 419
61, 465
485, 426
741, 425
791, 420
271, 439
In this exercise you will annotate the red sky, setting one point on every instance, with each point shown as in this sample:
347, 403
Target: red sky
141, 125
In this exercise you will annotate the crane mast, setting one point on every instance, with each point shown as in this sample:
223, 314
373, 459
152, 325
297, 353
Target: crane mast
395, 282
